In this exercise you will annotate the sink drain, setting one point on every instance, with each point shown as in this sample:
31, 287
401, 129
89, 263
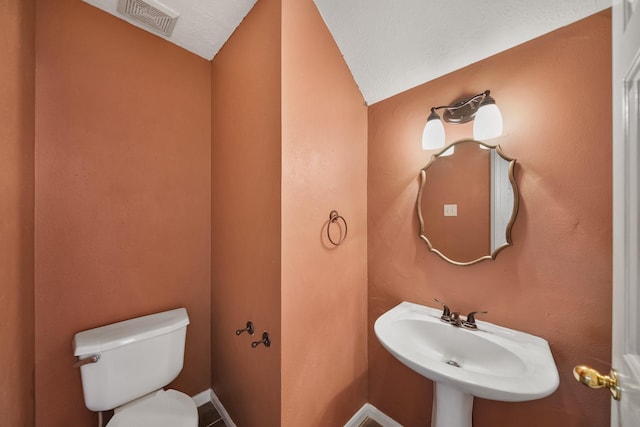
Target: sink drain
453, 363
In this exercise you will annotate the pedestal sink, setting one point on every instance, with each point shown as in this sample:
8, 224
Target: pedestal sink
491, 362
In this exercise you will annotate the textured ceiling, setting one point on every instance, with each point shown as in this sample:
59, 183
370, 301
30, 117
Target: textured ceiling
391, 46
203, 26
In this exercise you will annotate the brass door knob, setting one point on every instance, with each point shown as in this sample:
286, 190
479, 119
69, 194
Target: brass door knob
594, 379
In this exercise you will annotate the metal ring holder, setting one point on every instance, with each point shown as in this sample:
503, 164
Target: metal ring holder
266, 340
334, 216
250, 329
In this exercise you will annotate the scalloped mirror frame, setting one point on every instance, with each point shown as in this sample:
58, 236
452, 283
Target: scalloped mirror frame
514, 212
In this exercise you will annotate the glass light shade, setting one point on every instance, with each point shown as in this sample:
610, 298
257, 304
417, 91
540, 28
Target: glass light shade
487, 123
433, 134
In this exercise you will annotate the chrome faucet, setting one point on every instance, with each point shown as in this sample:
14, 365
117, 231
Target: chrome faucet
454, 318
470, 322
446, 313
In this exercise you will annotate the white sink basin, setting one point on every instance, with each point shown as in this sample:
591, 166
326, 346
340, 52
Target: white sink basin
491, 362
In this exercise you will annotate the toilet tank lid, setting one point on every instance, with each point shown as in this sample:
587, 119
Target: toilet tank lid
128, 331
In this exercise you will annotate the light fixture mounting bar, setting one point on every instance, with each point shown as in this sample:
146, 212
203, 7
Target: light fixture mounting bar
464, 110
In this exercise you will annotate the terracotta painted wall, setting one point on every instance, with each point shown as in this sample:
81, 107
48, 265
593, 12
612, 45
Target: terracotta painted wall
286, 109
17, 85
464, 237
245, 181
324, 151
555, 282
123, 193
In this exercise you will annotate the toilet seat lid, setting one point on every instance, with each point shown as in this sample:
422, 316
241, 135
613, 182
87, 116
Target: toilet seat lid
165, 408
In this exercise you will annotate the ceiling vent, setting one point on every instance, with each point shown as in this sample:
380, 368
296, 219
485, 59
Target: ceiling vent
151, 14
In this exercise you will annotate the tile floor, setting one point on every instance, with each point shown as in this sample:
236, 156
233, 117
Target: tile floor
209, 417
368, 422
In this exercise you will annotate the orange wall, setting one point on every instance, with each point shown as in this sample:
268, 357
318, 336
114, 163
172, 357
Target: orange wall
324, 151
286, 109
122, 193
126, 223
555, 282
17, 86
245, 181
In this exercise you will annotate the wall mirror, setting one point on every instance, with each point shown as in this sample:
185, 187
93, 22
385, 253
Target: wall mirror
467, 202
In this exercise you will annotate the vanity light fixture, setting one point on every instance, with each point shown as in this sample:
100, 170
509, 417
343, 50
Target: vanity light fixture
481, 107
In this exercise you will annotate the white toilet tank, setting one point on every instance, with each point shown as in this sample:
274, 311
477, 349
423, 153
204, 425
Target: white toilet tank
136, 357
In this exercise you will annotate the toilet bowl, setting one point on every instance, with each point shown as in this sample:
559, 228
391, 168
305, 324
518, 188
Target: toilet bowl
124, 366
163, 408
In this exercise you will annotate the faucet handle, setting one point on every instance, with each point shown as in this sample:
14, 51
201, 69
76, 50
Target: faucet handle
470, 322
446, 313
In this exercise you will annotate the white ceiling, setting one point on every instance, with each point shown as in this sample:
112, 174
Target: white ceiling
391, 45
203, 26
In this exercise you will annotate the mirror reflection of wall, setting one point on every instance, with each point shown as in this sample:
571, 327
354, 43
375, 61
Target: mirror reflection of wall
467, 202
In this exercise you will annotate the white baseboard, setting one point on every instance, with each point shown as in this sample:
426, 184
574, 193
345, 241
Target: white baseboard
370, 411
367, 411
202, 397
223, 412
209, 396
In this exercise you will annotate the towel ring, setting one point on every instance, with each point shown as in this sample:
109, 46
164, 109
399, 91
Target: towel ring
334, 216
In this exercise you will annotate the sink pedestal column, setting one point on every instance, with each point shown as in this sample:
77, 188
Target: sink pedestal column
451, 407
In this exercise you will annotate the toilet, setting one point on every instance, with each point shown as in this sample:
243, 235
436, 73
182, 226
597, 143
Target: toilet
124, 366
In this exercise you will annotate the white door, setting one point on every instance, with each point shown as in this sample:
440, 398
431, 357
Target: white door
625, 412
625, 385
